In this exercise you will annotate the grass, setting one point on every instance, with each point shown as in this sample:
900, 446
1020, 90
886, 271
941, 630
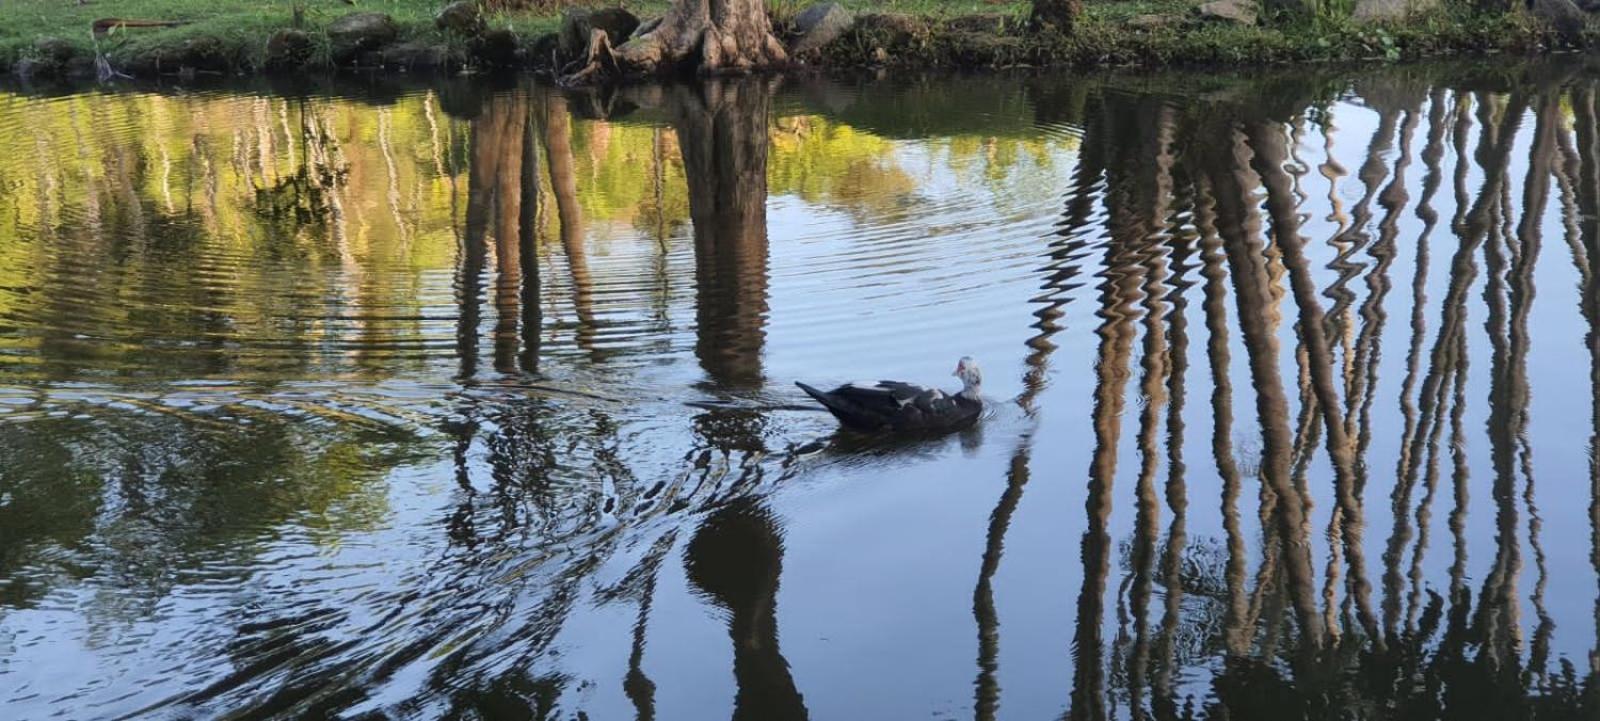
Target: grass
241, 26
233, 33
1103, 37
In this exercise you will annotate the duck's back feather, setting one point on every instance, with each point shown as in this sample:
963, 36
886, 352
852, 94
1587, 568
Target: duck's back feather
896, 405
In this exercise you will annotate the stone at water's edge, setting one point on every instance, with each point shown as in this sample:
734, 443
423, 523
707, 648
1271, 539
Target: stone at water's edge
819, 25
461, 17
288, 49
53, 50
1242, 12
1562, 15
415, 55
354, 34
497, 48
544, 53
577, 24
52, 57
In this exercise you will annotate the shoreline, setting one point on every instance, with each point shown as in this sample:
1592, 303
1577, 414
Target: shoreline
1107, 39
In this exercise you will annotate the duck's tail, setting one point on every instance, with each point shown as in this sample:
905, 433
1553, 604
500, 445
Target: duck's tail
838, 408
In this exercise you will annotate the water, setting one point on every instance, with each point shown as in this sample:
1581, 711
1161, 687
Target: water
472, 400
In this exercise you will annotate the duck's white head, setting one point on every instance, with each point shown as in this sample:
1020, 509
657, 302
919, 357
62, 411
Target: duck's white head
971, 377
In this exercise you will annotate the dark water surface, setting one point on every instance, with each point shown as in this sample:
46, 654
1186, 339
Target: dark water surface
475, 401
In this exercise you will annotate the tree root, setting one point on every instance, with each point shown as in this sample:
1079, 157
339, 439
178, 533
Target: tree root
599, 61
680, 39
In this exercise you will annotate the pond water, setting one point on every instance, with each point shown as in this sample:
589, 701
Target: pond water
474, 399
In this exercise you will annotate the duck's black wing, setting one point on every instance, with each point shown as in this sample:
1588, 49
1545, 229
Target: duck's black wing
869, 406
894, 404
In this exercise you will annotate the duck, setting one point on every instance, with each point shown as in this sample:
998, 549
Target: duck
899, 406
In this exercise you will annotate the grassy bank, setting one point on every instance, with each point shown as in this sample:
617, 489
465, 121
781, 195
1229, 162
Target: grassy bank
231, 35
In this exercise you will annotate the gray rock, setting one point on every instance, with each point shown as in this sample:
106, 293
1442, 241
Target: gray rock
819, 25
1562, 15
414, 55
25, 68
288, 49
544, 53
578, 23
497, 48
1242, 12
358, 33
51, 59
461, 17
203, 53
53, 50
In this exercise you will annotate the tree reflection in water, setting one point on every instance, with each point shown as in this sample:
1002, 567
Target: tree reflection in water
1426, 655
1219, 287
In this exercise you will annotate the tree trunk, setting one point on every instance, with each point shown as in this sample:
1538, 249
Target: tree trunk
713, 35
1058, 15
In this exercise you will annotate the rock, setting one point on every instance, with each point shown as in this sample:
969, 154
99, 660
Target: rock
577, 24
358, 33
202, 53
415, 55
1241, 12
496, 48
890, 29
288, 49
25, 68
1562, 15
1150, 22
819, 25
52, 58
461, 17
544, 53
53, 50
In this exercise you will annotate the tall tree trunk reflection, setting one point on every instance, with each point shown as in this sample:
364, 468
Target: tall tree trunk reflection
1586, 169
1118, 290
735, 558
564, 185
722, 130
502, 211
1232, 180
